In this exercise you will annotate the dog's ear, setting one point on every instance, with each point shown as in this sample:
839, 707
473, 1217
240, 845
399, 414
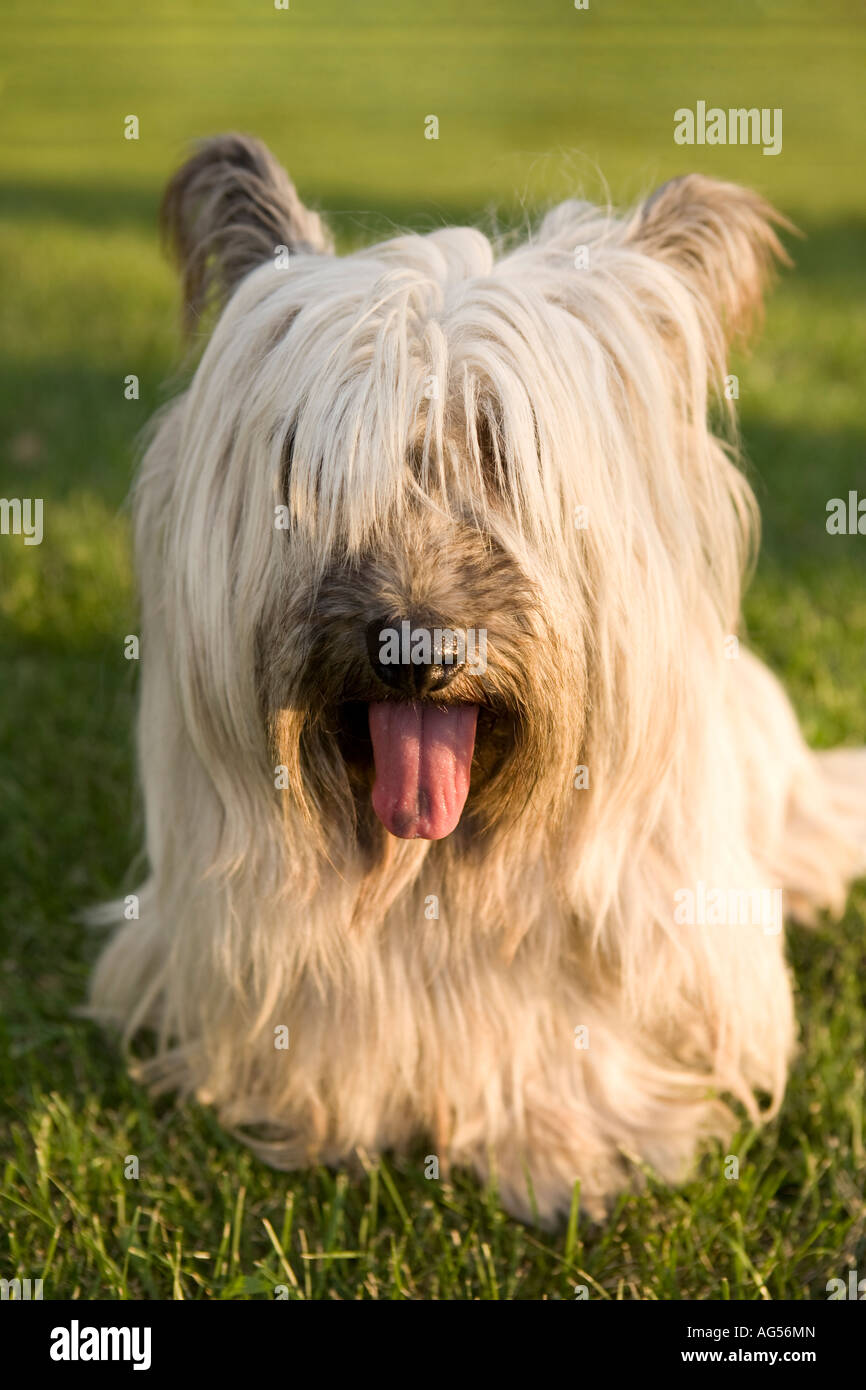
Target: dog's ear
720, 238
225, 211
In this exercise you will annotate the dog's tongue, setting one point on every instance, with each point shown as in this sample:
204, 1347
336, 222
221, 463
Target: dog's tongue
423, 757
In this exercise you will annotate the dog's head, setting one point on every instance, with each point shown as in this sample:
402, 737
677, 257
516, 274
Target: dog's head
440, 523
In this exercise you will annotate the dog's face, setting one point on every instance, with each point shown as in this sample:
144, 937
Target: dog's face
438, 517
427, 666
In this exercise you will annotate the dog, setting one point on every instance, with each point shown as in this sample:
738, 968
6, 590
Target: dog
452, 762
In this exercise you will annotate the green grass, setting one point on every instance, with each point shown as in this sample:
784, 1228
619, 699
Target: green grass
532, 99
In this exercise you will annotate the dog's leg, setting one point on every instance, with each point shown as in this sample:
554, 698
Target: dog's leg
536, 1112
599, 1120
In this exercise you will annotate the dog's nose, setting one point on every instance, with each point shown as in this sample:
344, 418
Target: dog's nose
411, 658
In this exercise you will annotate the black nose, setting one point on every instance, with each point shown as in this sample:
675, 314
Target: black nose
412, 658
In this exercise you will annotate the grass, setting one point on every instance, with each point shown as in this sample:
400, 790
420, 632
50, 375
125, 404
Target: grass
530, 100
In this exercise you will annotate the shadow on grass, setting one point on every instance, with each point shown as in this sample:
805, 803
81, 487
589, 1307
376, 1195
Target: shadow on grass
829, 252
794, 475
354, 220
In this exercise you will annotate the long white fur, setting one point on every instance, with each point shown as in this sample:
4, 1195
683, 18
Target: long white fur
462, 1028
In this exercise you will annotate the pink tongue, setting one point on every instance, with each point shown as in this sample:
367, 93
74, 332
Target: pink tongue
423, 756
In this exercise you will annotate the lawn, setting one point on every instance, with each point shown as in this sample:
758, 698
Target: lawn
534, 101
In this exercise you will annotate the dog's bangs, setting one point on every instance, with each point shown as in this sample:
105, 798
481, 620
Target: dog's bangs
445, 381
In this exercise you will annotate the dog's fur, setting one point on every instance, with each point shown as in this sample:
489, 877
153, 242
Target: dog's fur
432, 414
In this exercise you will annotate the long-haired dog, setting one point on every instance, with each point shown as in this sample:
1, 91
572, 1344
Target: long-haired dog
455, 777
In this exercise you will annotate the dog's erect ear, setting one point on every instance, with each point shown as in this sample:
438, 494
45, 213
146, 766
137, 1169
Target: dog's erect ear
225, 211
721, 240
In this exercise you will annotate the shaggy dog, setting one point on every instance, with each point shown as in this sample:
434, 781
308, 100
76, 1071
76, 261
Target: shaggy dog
527, 906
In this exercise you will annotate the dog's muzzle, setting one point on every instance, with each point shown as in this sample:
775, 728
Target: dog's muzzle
422, 751
389, 647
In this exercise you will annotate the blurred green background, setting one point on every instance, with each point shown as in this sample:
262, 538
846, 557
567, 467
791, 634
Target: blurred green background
535, 101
